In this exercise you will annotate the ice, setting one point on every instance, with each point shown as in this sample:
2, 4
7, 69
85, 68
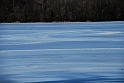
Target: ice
72, 52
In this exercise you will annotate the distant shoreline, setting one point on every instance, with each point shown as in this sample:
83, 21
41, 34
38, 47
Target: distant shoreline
29, 11
57, 22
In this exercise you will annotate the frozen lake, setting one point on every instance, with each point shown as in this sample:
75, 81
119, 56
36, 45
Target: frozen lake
62, 52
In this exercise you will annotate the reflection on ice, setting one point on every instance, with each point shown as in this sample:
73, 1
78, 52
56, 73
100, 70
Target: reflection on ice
110, 33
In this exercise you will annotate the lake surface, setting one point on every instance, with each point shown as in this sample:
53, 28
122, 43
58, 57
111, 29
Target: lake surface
82, 52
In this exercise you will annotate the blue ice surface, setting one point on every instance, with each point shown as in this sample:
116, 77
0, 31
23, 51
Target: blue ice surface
77, 52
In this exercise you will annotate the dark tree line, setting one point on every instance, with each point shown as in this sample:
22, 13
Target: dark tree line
61, 10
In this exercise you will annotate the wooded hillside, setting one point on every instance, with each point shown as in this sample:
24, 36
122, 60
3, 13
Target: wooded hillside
61, 10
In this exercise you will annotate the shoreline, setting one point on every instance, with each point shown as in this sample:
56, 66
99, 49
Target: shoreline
57, 22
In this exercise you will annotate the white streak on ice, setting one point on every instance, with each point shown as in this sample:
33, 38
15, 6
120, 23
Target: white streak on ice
62, 49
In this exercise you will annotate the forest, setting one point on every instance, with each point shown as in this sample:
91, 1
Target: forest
61, 10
